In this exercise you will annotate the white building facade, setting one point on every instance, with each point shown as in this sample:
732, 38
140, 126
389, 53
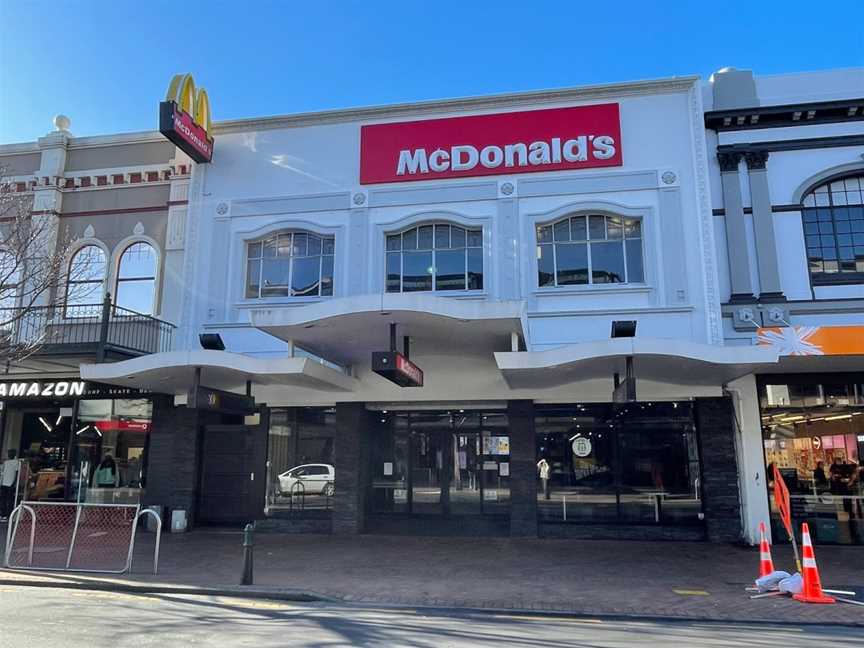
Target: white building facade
509, 247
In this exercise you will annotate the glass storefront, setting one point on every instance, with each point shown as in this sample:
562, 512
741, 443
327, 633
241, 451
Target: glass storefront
813, 432
300, 460
634, 463
440, 462
94, 450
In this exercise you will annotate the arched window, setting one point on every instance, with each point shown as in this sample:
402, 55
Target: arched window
10, 277
290, 264
834, 230
590, 249
435, 257
85, 283
136, 278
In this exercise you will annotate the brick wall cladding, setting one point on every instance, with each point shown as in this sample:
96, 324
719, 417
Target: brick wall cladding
523, 467
173, 457
351, 463
721, 498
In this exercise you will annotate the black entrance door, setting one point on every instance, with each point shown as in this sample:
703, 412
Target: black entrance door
233, 477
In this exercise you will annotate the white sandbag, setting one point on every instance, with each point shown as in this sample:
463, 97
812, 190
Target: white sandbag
771, 581
792, 585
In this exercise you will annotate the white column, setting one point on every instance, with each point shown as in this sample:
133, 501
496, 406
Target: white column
751, 457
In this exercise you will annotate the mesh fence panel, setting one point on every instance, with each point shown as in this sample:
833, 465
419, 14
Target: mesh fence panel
103, 537
101, 541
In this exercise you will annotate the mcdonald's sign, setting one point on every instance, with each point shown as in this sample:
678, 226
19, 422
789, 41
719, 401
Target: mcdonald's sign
184, 118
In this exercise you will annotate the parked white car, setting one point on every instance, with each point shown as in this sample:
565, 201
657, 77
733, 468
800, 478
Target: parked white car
317, 479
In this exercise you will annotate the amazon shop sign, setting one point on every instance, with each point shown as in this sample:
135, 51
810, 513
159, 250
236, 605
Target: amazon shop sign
36, 389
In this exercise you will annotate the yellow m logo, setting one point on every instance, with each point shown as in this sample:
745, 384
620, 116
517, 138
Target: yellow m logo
182, 91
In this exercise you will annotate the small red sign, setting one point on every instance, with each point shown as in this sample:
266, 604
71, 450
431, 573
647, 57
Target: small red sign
409, 369
122, 425
552, 139
179, 127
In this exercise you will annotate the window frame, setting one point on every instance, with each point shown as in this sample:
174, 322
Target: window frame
155, 278
104, 281
434, 250
591, 285
10, 290
274, 235
838, 278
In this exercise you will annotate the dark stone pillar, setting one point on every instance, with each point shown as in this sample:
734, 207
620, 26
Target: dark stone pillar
523, 466
721, 498
351, 463
173, 458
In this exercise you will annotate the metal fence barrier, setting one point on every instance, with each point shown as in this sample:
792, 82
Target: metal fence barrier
66, 536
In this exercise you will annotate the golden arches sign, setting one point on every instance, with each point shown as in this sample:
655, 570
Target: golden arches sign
193, 101
184, 118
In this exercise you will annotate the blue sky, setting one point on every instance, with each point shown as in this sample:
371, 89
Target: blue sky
107, 64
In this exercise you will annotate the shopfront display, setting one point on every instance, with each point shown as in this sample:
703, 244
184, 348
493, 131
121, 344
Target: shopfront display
813, 432
91, 448
300, 461
633, 463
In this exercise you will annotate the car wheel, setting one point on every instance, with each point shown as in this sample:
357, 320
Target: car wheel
328, 490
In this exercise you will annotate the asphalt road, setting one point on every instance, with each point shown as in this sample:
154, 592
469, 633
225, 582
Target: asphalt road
58, 618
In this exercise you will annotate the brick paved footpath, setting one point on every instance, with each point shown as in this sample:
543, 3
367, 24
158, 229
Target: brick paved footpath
571, 576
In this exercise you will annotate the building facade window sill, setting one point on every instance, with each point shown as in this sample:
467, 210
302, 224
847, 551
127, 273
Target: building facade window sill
593, 289
278, 302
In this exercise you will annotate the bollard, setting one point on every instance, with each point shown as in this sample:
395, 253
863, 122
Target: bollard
248, 545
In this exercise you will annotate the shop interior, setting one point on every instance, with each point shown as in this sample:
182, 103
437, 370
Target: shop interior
813, 432
89, 451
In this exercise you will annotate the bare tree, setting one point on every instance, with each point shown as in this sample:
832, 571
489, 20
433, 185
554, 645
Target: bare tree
34, 270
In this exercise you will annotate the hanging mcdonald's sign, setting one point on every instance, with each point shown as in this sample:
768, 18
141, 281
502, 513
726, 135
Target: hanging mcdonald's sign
184, 118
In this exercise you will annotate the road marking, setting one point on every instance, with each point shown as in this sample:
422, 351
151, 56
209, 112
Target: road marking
689, 592
250, 603
546, 619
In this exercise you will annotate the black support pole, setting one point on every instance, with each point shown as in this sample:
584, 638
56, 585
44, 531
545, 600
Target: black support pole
393, 336
406, 347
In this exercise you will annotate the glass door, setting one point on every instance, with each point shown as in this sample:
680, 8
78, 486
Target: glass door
465, 485
440, 463
428, 472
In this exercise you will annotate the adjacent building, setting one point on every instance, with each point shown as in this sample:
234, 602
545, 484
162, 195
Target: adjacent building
788, 181
115, 206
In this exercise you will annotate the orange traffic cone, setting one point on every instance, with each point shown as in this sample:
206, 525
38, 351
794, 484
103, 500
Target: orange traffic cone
812, 592
766, 565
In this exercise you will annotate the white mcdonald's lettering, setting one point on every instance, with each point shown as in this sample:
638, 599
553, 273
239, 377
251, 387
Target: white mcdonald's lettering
464, 157
181, 126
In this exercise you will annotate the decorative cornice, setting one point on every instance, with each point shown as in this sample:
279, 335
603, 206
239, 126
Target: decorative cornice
835, 141
424, 108
729, 161
797, 114
756, 159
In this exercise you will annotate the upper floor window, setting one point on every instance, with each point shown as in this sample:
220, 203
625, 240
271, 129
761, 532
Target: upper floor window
136, 278
290, 264
86, 281
10, 277
435, 257
590, 249
834, 230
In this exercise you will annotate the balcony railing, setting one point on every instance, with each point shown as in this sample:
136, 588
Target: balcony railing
101, 329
